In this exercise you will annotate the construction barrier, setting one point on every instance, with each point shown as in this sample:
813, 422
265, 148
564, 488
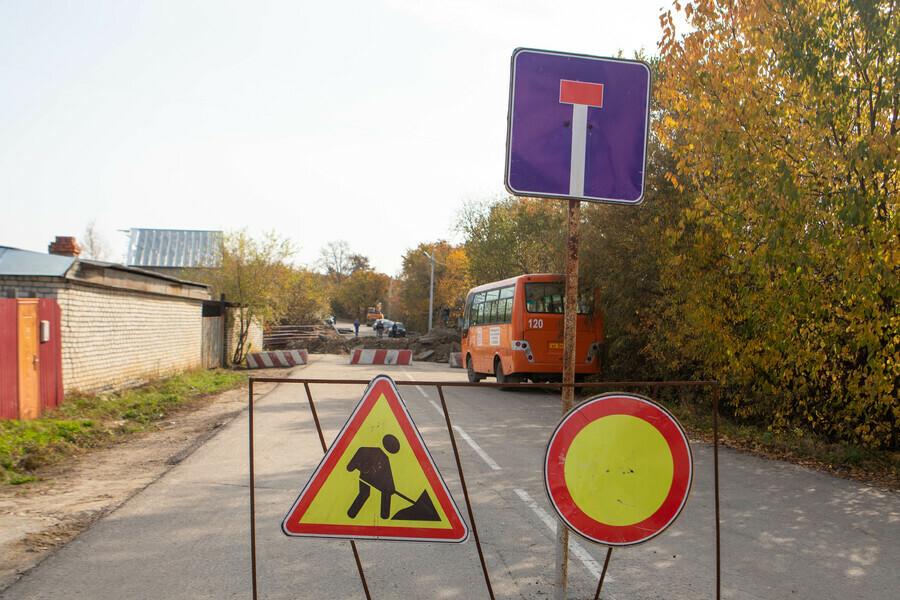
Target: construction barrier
282, 358
381, 357
456, 360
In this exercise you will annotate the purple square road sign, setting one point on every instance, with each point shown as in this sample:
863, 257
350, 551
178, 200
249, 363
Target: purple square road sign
577, 127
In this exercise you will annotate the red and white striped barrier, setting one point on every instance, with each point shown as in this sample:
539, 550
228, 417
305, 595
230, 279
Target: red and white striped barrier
381, 357
456, 360
282, 358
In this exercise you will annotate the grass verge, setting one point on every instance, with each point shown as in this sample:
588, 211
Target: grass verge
86, 422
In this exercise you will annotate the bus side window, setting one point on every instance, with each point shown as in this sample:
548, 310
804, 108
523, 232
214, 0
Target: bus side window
476, 314
506, 301
467, 315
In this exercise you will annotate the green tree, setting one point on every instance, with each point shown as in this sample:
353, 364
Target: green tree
783, 117
308, 298
362, 289
624, 252
450, 284
513, 236
254, 275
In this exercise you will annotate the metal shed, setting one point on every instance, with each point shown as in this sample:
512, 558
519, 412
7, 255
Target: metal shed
169, 250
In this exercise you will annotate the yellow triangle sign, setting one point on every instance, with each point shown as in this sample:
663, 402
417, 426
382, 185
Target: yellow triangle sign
377, 480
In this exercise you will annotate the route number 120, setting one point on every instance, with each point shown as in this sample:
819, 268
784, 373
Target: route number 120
536, 323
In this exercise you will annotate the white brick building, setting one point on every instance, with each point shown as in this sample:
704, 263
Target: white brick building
121, 326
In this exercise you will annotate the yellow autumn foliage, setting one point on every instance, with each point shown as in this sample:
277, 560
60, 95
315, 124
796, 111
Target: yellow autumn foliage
783, 116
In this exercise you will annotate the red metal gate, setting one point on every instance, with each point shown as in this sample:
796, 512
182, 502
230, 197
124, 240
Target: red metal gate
9, 375
49, 356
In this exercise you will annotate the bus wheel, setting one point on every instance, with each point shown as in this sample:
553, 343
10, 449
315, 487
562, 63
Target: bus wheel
470, 371
501, 378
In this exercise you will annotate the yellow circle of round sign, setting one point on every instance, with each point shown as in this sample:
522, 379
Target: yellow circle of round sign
619, 469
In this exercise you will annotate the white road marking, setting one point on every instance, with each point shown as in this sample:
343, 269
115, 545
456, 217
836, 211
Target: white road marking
459, 430
478, 450
418, 387
574, 547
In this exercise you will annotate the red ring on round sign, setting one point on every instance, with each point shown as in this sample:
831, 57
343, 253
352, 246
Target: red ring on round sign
565, 433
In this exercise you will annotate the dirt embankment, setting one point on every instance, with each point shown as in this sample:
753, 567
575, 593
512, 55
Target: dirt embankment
434, 346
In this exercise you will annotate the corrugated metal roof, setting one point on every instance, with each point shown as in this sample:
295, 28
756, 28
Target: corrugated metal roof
24, 262
173, 248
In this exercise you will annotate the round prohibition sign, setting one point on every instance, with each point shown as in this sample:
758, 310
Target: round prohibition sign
618, 469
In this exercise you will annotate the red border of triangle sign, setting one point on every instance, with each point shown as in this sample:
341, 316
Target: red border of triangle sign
377, 480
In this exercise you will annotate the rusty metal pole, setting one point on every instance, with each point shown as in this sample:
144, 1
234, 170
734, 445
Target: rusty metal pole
568, 393
462, 481
716, 476
252, 497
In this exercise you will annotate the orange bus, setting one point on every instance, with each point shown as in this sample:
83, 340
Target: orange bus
513, 330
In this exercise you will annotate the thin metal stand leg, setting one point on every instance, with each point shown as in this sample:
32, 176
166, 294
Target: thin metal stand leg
252, 499
462, 479
716, 467
359, 567
603, 573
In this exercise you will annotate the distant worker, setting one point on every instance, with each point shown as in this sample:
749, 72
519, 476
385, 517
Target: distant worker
356, 326
374, 468
379, 328
393, 332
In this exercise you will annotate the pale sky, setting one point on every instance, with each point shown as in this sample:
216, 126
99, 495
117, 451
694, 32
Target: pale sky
370, 121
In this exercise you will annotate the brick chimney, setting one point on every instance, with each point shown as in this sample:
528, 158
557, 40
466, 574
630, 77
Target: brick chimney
65, 246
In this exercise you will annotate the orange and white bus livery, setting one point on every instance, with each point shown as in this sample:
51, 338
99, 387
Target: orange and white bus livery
513, 330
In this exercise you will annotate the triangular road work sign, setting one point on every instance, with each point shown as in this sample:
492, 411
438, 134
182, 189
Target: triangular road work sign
377, 480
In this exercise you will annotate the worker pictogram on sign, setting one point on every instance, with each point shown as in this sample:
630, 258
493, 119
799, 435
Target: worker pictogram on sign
377, 480
618, 469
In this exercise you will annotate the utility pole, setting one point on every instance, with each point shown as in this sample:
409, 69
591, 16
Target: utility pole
431, 290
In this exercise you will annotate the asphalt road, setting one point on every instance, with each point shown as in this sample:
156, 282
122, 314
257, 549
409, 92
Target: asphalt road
787, 532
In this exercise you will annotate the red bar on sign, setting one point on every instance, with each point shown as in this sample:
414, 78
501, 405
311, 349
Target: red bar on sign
579, 92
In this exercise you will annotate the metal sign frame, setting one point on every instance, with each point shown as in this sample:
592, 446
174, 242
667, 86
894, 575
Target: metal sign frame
713, 386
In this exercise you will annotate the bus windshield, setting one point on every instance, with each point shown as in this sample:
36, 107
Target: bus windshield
549, 297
